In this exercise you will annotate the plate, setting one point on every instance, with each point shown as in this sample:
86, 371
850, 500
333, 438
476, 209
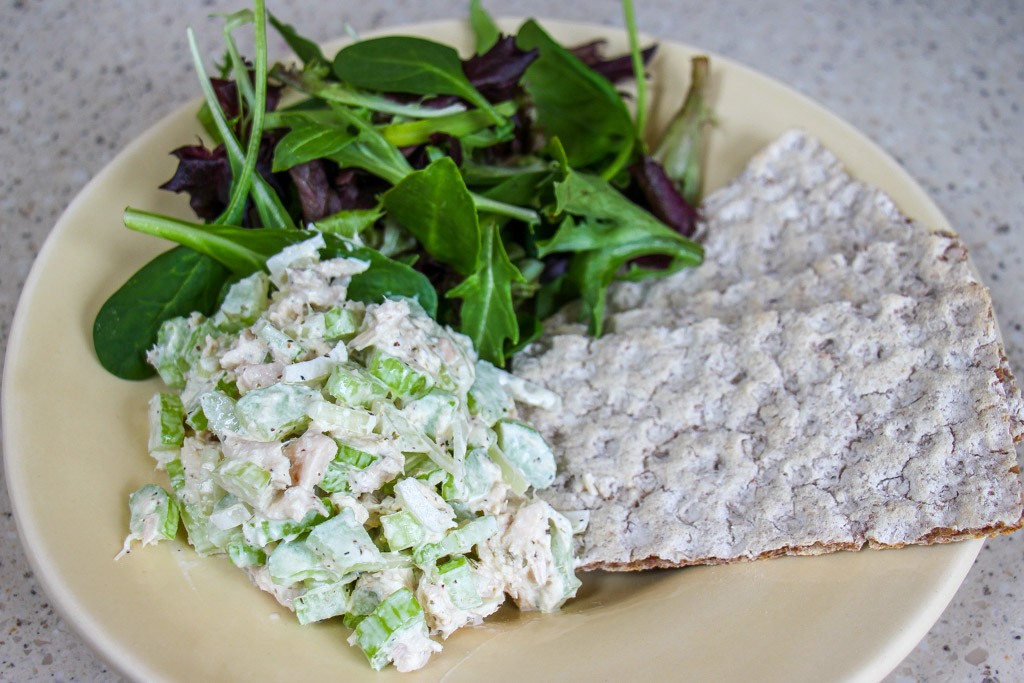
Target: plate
75, 447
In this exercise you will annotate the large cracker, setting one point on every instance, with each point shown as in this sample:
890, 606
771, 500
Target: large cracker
859, 396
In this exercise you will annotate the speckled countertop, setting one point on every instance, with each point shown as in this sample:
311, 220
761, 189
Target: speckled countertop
939, 85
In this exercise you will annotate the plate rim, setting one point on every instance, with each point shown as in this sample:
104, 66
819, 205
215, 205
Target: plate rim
122, 660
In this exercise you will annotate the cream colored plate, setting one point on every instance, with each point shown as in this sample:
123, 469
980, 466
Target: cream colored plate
74, 447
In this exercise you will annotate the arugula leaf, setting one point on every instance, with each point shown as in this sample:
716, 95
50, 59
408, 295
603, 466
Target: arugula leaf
304, 48
410, 65
612, 219
369, 151
577, 105
485, 30
591, 272
435, 206
173, 284
487, 315
350, 223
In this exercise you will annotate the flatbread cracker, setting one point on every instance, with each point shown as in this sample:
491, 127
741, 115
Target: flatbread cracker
831, 378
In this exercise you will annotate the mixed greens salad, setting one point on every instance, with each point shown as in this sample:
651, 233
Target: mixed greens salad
377, 233
494, 188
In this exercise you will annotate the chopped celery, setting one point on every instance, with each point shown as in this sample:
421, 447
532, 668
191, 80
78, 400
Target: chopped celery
525, 449
402, 530
282, 347
243, 303
295, 561
561, 552
229, 512
429, 509
342, 322
351, 385
221, 416
434, 413
322, 602
403, 380
377, 632
336, 476
154, 516
487, 397
275, 412
457, 542
308, 371
244, 555
166, 426
343, 545
330, 417
246, 480
264, 531
457, 578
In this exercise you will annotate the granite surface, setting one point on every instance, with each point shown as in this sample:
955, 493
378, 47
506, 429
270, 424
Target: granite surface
939, 85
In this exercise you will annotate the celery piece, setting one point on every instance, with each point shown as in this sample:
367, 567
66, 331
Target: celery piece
336, 477
154, 516
457, 579
330, 417
206, 538
429, 509
458, 541
220, 413
562, 554
480, 475
246, 480
487, 397
344, 545
396, 614
421, 467
403, 380
308, 370
260, 533
282, 347
244, 302
196, 418
351, 385
274, 412
525, 449
244, 555
402, 530
295, 561
322, 602
166, 424
168, 355
433, 413
512, 475
229, 512
342, 323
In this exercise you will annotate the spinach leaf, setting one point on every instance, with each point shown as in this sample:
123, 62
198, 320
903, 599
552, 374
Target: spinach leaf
410, 65
435, 206
308, 140
313, 81
243, 251
577, 105
173, 284
385, 278
485, 31
487, 315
